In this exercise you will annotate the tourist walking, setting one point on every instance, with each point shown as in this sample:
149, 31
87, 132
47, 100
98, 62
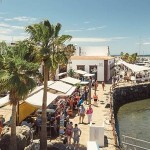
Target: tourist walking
103, 85
80, 102
95, 97
76, 136
81, 112
95, 85
89, 113
69, 129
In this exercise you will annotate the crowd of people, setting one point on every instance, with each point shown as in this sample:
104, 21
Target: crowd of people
71, 106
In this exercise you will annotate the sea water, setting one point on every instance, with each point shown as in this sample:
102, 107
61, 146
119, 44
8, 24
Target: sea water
134, 121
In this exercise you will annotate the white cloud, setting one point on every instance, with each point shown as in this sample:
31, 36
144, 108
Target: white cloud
85, 29
146, 43
5, 25
95, 28
74, 30
143, 43
21, 19
5, 31
92, 40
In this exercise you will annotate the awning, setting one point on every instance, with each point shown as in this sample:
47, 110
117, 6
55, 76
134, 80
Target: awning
50, 82
37, 98
71, 91
84, 82
25, 109
133, 67
80, 72
70, 80
88, 75
63, 73
38, 88
60, 86
4, 100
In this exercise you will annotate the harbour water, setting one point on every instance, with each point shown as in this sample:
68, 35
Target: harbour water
134, 120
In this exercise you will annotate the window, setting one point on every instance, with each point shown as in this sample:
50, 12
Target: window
81, 67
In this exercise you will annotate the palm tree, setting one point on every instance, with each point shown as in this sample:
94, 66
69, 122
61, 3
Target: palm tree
15, 77
46, 37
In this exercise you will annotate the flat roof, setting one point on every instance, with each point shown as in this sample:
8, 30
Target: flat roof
91, 57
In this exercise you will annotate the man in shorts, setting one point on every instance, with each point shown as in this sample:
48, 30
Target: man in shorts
76, 136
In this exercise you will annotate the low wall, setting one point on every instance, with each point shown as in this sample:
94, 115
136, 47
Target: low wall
124, 95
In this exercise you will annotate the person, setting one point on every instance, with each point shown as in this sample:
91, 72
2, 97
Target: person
95, 97
76, 136
69, 129
89, 113
103, 85
26, 123
80, 102
81, 113
55, 124
2, 119
69, 111
38, 124
95, 85
10, 121
71, 102
85, 94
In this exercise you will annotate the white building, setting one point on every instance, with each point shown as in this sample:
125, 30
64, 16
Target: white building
102, 66
93, 60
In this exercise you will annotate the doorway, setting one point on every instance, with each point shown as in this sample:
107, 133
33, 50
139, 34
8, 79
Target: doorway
93, 70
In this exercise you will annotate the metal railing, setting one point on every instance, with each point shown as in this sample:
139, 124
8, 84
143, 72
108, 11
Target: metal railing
130, 143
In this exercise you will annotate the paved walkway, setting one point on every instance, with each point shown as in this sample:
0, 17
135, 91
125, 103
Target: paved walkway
101, 115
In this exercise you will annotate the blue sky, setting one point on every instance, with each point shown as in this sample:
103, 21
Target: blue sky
123, 25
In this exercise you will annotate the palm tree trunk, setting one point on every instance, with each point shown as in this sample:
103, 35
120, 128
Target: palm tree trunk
13, 142
43, 135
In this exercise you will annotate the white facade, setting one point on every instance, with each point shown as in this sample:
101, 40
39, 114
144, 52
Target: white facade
87, 63
92, 51
93, 56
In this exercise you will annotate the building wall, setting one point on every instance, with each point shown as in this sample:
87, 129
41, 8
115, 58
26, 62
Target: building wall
111, 64
87, 63
92, 51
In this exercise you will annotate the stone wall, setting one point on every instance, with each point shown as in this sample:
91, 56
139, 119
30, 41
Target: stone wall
124, 95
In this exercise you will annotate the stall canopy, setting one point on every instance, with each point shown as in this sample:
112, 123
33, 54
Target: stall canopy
88, 75
60, 86
63, 73
37, 98
4, 100
25, 109
133, 67
84, 82
80, 72
70, 80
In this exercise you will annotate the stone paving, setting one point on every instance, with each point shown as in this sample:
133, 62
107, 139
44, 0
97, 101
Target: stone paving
101, 114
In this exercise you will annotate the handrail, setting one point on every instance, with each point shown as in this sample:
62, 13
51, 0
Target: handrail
135, 139
135, 146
